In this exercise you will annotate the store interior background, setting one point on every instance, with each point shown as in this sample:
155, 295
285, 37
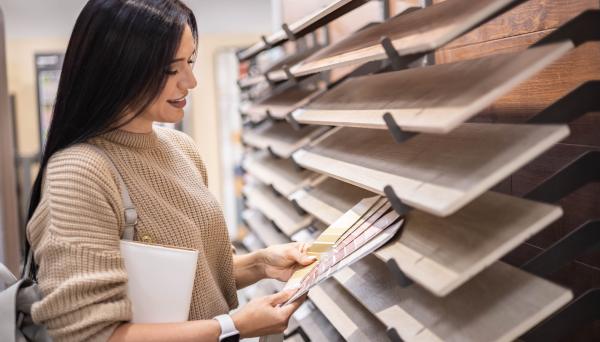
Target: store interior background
212, 118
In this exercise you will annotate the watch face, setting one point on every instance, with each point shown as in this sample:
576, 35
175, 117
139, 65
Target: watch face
234, 338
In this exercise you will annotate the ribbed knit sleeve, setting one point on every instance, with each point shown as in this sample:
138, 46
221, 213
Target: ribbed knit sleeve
75, 234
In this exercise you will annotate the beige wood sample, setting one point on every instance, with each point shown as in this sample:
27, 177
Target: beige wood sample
438, 174
315, 19
346, 314
282, 174
328, 198
500, 304
278, 209
317, 327
283, 103
416, 32
434, 99
281, 137
263, 228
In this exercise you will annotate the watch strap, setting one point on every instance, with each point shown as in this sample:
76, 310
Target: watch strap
229, 333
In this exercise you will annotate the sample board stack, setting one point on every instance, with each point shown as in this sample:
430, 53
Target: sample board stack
459, 113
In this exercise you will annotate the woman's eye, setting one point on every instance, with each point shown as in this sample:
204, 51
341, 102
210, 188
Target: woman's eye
170, 72
191, 61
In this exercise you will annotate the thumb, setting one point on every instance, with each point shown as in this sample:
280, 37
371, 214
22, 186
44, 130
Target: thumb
281, 297
302, 258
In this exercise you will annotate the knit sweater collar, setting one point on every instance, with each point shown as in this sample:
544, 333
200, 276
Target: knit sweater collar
133, 140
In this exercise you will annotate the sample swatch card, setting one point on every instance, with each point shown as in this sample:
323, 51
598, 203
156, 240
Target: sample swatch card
356, 234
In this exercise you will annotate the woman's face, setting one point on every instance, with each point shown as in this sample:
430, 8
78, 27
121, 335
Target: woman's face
168, 107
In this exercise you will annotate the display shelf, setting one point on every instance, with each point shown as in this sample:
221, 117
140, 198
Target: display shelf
263, 228
282, 174
500, 304
410, 34
346, 314
280, 137
283, 103
434, 99
305, 25
328, 198
316, 326
437, 174
277, 209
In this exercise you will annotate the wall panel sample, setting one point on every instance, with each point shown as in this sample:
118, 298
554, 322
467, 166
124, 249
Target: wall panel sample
280, 137
328, 198
432, 99
416, 32
263, 228
276, 208
346, 314
500, 304
435, 173
303, 26
282, 174
283, 103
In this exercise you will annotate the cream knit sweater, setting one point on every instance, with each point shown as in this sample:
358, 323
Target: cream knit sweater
76, 228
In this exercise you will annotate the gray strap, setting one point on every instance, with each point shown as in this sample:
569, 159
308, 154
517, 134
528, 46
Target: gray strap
130, 213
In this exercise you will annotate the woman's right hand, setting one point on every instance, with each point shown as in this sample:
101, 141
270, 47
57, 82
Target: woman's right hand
262, 317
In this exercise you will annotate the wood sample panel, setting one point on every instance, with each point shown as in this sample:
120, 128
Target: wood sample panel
263, 228
317, 328
500, 304
436, 174
328, 198
276, 208
283, 103
346, 314
416, 32
280, 137
434, 99
282, 174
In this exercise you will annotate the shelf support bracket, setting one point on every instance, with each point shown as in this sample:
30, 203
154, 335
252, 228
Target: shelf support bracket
396, 131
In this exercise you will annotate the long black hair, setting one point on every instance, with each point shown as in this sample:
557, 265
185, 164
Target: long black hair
116, 62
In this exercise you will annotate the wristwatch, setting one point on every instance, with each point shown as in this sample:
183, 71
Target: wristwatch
228, 331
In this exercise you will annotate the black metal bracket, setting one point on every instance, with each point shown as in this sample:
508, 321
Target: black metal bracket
266, 42
583, 28
583, 310
396, 202
396, 131
392, 54
270, 150
289, 75
298, 208
584, 239
274, 191
583, 170
290, 35
584, 99
269, 116
393, 335
401, 278
293, 122
269, 80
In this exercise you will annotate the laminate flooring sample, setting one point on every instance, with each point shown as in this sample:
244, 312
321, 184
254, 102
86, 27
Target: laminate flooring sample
263, 228
434, 99
301, 27
438, 174
281, 137
346, 314
500, 304
278, 209
328, 198
282, 174
419, 31
283, 103
316, 326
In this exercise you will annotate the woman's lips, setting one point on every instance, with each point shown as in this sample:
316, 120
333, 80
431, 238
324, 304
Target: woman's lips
178, 104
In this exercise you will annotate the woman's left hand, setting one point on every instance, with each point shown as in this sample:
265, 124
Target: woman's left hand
281, 261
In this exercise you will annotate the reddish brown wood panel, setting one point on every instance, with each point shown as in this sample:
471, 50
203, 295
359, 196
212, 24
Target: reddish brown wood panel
531, 16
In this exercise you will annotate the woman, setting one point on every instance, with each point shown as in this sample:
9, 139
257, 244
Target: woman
129, 64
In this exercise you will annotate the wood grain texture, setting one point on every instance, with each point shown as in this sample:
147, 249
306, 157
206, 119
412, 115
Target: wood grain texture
499, 304
263, 228
283, 103
346, 314
531, 16
316, 326
432, 99
282, 174
328, 198
433, 173
277, 209
280, 137
419, 31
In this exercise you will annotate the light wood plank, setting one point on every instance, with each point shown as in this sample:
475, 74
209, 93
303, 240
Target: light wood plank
282, 174
278, 209
305, 25
285, 102
263, 228
438, 174
433, 99
316, 326
280, 137
416, 32
328, 198
346, 314
499, 304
